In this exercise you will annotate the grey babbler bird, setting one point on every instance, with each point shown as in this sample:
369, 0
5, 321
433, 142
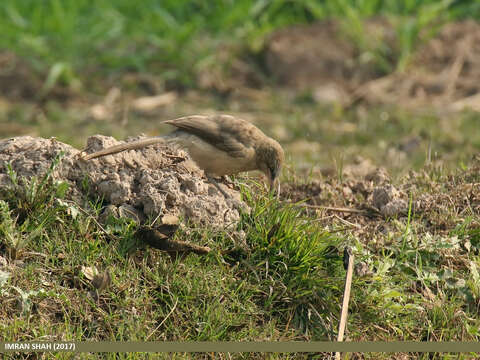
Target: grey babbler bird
219, 144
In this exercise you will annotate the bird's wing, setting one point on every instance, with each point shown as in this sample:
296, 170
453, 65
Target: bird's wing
226, 133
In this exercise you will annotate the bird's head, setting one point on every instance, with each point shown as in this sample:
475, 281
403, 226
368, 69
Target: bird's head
270, 159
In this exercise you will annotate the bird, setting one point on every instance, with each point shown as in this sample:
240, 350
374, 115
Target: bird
219, 144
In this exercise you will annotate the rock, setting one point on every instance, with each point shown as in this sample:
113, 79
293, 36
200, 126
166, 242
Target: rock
382, 195
394, 208
386, 198
138, 184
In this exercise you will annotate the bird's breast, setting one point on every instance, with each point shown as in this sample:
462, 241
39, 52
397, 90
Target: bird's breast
213, 160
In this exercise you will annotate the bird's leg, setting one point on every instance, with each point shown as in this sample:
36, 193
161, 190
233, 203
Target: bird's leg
217, 185
227, 179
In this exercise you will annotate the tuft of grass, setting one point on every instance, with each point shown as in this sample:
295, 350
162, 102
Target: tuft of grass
292, 264
29, 206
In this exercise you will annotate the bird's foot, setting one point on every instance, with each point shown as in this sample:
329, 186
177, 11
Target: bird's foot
217, 185
227, 180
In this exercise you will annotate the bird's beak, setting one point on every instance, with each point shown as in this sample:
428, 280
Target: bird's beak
272, 183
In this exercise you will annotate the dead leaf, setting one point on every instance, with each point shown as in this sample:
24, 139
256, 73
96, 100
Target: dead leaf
4, 276
170, 219
160, 239
89, 272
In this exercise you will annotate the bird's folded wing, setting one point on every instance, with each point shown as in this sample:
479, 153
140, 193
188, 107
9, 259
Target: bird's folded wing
220, 131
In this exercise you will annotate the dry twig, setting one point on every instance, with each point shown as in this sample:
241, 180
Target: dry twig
348, 258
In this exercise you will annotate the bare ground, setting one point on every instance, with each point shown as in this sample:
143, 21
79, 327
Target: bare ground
364, 205
443, 72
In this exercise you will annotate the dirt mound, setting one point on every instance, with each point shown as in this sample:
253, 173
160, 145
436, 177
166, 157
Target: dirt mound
17, 80
158, 180
453, 59
319, 57
322, 58
445, 72
300, 56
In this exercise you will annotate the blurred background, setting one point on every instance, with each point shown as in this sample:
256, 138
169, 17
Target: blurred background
339, 83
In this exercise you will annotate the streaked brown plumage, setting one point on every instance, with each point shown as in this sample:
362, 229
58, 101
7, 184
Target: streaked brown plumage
219, 144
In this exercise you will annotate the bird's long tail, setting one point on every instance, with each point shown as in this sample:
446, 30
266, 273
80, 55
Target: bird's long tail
133, 145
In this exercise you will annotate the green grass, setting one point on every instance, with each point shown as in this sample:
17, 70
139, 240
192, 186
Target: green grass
284, 283
265, 292
73, 39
